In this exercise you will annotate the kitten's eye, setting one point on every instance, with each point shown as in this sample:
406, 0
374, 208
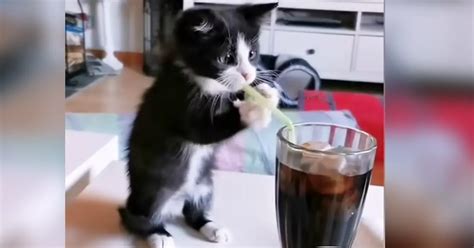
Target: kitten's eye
227, 59
252, 54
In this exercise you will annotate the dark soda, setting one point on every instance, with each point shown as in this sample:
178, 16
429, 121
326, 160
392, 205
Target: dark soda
318, 210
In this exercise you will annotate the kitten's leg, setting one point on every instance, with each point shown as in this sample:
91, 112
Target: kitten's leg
195, 212
139, 218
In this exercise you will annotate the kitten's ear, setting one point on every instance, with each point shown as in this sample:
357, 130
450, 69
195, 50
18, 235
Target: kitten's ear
254, 13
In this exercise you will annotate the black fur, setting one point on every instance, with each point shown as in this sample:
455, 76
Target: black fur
176, 116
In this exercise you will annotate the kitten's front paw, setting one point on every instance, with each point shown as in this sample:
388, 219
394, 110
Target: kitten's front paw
254, 115
160, 241
215, 233
270, 93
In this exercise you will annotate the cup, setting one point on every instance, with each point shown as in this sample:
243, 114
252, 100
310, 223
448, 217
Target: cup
322, 180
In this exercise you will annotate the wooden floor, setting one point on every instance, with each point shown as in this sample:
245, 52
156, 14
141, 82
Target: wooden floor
111, 94
122, 94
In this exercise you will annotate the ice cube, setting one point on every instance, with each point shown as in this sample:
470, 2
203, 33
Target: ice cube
327, 167
350, 202
331, 184
319, 163
317, 145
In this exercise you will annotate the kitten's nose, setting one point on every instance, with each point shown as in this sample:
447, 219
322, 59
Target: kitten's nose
245, 75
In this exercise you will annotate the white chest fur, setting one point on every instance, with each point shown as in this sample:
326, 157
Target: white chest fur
198, 156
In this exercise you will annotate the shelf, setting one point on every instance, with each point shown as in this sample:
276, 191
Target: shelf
321, 21
376, 6
368, 77
217, 4
234, 2
342, 5
372, 29
309, 29
372, 24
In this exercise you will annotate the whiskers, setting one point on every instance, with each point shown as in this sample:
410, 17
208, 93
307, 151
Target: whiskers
226, 80
266, 76
209, 105
215, 104
217, 101
194, 96
254, 40
270, 73
212, 105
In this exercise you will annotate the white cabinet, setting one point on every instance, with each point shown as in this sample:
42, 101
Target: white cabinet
265, 41
370, 54
326, 52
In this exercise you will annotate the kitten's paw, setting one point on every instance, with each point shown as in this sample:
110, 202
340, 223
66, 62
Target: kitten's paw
270, 93
215, 233
254, 115
160, 241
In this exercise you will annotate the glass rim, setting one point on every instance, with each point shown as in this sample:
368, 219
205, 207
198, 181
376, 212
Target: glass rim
302, 148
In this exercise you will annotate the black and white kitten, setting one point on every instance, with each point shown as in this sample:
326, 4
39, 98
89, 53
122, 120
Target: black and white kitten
193, 105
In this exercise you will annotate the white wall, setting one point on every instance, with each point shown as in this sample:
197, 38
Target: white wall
127, 19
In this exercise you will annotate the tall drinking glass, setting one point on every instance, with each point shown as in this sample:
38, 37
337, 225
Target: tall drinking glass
321, 183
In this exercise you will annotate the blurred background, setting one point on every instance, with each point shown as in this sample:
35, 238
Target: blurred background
429, 123
427, 79
32, 123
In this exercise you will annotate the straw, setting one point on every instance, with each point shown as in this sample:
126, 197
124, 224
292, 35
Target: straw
259, 99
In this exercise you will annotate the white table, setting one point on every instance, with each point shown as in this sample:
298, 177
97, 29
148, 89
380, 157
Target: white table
86, 155
244, 203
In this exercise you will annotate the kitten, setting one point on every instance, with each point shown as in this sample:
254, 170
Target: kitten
195, 103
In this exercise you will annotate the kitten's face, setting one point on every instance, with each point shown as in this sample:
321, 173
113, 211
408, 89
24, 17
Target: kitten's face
220, 47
